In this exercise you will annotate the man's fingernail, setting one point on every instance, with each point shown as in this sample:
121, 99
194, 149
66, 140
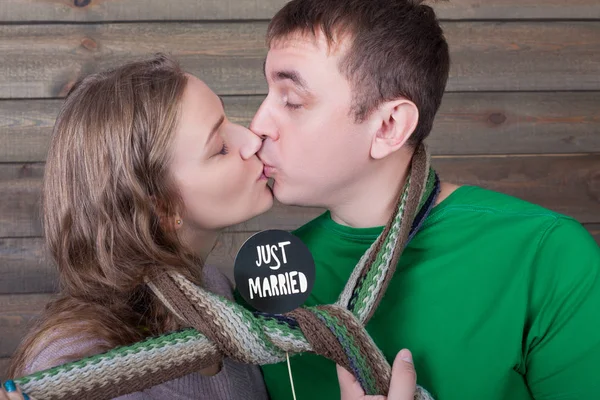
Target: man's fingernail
405, 355
10, 386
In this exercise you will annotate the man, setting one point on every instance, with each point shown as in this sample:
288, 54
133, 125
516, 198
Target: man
496, 297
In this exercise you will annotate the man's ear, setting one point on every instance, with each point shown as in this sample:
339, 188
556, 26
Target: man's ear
396, 121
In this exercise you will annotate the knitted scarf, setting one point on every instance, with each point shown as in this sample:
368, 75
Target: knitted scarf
221, 328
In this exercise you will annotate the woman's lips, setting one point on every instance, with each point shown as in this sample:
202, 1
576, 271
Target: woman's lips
268, 171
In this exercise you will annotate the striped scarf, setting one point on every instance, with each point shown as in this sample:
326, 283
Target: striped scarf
221, 328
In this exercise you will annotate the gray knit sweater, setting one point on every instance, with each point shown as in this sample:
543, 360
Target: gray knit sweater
234, 381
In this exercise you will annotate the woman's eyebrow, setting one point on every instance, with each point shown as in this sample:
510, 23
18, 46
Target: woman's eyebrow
215, 128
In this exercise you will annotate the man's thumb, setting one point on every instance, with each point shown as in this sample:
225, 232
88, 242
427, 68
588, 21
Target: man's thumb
404, 377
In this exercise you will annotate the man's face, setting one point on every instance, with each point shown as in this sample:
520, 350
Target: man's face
313, 149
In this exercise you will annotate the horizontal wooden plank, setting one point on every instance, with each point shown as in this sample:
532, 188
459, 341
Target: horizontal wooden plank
20, 211
517, 123
228, 56
133, 10
517, 9
26, 267
467, 123
130, 10
520, 56
16, 315
495, 56
568, 184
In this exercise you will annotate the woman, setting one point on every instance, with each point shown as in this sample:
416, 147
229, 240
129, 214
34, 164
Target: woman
143, 172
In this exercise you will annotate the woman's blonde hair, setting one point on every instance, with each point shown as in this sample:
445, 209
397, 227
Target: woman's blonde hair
108, 199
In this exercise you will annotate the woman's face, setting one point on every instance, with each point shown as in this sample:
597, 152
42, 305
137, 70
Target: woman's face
214, 164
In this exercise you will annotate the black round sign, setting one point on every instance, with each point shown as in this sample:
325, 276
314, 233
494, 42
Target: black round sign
274, 271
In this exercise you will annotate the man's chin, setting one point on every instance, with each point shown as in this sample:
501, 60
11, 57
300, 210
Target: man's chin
287, 197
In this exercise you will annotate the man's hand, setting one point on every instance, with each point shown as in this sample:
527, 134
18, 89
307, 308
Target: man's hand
402, 386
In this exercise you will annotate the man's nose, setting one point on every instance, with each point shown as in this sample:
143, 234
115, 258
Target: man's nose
263, 123
251, 143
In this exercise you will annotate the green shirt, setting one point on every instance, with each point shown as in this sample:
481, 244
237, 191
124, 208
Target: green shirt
497, 298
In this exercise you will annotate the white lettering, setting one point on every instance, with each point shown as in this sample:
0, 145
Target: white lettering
282, 288
274, 252
254, 287
278, 285
266, 288
281, 246
259, 261
294, 282
303, 282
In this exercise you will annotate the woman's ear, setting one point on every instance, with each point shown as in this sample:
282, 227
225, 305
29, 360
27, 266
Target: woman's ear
168, 221
397, 120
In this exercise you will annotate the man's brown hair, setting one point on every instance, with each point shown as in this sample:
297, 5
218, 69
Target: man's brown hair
398, 49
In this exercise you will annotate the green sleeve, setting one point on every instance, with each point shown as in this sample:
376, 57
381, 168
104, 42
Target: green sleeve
562, 344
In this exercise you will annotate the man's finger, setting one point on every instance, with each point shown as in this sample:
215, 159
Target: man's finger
349, 387
404, 377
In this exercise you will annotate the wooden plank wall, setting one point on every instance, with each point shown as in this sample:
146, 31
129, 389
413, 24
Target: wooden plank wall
521, 116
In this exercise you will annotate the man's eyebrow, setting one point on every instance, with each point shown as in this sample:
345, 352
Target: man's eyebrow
215, 128
292, 76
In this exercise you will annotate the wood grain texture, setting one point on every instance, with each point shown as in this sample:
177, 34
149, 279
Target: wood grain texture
517, 123
228, 56
467, 123
497, 56
517, 9
130, 10
133, 10
26, 267
16, 315
521, 56
20, 209
567, 184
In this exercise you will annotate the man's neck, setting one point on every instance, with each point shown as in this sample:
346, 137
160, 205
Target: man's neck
372, 201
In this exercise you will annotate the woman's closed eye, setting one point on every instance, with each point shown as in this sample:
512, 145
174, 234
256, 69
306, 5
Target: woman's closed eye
224, 149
